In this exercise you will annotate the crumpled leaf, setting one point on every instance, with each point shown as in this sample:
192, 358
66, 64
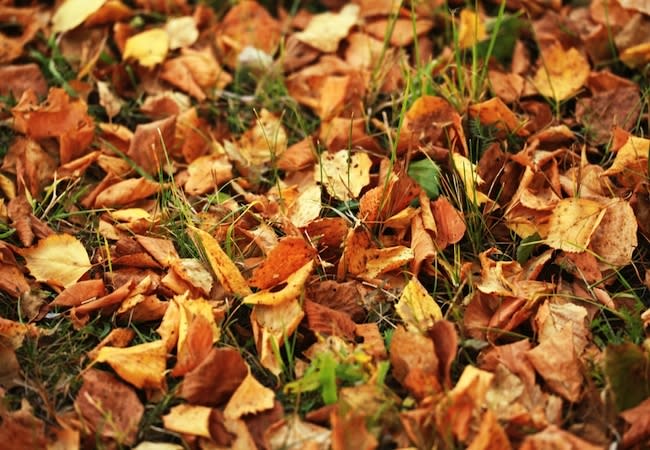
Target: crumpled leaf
149, 47
59, 259
141, 365
291, 253
327, 29
295, 284
72, 13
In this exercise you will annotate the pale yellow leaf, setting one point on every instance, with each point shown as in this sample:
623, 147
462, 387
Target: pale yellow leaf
189, 419
417, 308
573, 222
271, 325
149, 48
616, 236
326, 30
142, 365
72, 13
344, 174
149, 445
59, 260
249, 398
382, 260
182, 32
226, 271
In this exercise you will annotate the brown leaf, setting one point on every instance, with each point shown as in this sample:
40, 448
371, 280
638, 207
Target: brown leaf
350, 432
19, 78
21, 429
556, 360
214, 380
78, 293
321, 319
639, 420
415, 364
291, 253
102, 396
150, 144
450, 225
125, 192
554, 437
294, 285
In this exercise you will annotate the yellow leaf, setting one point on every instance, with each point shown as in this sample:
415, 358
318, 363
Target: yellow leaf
249, 398
293, 289
326, 30
148, 445
562, 73
72, 13
190, 308
189, 419
226, 271
142, 365
616, 236
573, 222
382, 260
58, 260
633, 155
148, 48
470, 177
471, 29
637, 55
343, 174
417, 308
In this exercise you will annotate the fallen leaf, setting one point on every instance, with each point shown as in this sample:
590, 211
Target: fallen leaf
562, 72
293, 433
226, 271
149, 47
215, 379
126, 192
249, 398
327, 29
189, 419
573, 223
295, 285
471, 29
615, 239
557, 362
142, 365
59, 260
417, 309
639, 420
72, 13
343, 174
182, 32
101, 397
284, 259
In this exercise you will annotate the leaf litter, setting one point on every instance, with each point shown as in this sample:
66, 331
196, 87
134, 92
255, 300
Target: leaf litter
336, 225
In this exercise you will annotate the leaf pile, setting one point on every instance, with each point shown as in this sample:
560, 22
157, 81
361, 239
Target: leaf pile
366, 224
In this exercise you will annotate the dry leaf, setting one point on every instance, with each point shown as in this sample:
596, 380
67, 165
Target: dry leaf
59, 260
189, 419
562, 73
182, 32
284, 259
327, 29
72, 13
343, 174
250, 397
295, 284
417, 309
102, 396
471, 29
149, 47
226, 271
141, 365
573, 222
